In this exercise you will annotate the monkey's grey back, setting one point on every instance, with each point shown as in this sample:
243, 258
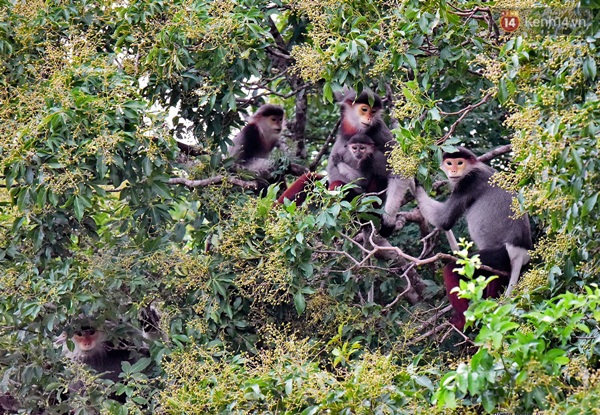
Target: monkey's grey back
490, 219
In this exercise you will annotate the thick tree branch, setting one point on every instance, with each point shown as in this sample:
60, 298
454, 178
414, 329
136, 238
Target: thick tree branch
492, 154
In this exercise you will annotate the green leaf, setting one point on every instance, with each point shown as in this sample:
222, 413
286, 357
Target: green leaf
78, 207
299, 302
589, 68
589, 205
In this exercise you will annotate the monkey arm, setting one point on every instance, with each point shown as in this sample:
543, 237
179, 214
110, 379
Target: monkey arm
441, 215
350, 173
246, 145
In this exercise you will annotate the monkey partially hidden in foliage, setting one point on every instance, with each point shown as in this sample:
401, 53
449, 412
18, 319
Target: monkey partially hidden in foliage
360, 114
362, 163
92, 348
502, 241
253, 145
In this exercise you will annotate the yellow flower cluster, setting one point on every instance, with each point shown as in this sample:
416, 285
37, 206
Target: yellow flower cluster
317, 13
532, 280
402, 163
492, 69
221, 8
550, 247
193, 269
383, 63
309, 63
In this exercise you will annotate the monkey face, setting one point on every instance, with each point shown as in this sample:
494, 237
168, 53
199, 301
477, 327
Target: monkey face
86, 339
365, 113
455, 168
275, 123
361, 151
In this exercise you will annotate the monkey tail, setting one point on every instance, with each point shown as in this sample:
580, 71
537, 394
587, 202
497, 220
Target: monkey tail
298, 190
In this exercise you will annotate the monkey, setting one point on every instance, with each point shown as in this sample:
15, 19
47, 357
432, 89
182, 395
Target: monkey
502, 241
363, 114
360, 114
253, 144
92, 348
362, 163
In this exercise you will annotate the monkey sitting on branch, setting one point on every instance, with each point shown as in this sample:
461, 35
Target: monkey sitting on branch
361, 163
253, 145
360, 114
91, 347
503, 241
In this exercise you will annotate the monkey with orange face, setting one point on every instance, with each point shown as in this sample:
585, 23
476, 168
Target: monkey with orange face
91, 348
502, 241
360, 114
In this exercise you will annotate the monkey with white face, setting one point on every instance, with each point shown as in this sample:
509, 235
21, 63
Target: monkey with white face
502, 241
253, 145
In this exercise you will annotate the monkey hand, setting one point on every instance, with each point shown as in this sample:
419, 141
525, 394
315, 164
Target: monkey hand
388, 225
412, 186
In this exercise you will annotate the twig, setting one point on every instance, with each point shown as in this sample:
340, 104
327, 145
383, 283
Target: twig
328, 141
408, 288
463, 113
418, 261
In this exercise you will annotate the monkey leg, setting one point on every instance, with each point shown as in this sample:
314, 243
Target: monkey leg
298, 190
460, 305
518, 258
335, 184
497, 259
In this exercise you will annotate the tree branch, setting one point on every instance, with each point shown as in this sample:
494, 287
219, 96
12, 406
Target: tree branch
246, 184
463, 113
495, 153
328, 141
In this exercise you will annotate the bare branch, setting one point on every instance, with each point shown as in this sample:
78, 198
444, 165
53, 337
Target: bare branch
495, 153
328, 141
463, 113
246, 184
403, 293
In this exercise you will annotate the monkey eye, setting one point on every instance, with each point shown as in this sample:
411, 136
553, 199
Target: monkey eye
448, 163
364, 109
460, 163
